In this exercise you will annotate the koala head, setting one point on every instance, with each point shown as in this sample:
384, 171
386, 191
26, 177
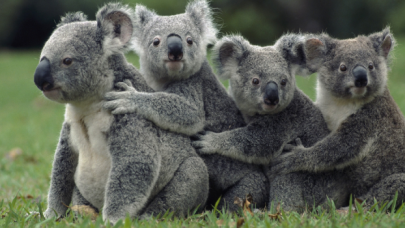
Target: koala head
261, 79
352, 68
74, 64
173, 47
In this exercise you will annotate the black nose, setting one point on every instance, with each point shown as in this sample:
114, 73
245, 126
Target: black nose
360, 76
175, 47
271, 94
42, 76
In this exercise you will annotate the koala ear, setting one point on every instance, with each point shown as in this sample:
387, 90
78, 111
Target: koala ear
115, 26
314, 51
304, 54
142, 16
72, 17
383, 42
227, 53
201, 15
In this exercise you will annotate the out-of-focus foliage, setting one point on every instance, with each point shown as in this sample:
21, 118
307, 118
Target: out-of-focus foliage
28, 23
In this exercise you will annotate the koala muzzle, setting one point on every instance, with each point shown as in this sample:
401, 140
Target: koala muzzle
175, 47
271, 94
360, 76
42, 77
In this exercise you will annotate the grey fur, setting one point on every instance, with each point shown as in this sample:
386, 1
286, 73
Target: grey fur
191, 98
268, 129
368, 130
72, 17
122, 164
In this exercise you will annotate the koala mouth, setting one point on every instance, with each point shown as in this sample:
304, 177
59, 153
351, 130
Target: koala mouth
50, 92
174, 65
47, 87
269, 108
358, 92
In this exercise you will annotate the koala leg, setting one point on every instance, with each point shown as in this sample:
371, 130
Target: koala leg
298, 191
78, 199
384, 191
254, 183
186, 191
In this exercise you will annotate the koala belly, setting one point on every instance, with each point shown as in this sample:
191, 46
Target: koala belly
89, 140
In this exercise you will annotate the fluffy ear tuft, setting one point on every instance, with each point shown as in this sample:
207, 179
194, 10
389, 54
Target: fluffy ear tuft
115, 26
142, 17
72, 17
202, 16
314, 50
383, 42
227, 54
303, 52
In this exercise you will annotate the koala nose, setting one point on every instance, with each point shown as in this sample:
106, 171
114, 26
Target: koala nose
271, 94
42, 77
360, 76
175, 47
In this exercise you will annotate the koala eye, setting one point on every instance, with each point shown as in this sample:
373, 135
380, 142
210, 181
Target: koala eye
283, 82
189, 40
343, 67
255, 81
370, 66
156, 42
67, 61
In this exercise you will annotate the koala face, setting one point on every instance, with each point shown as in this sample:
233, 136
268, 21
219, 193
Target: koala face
355, 71
74, 61
173, 46
68, 62
261, 79
262, 84
354, 68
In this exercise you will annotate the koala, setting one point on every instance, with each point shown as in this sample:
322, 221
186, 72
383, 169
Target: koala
188, 97
262, 83
120, 164
366, 145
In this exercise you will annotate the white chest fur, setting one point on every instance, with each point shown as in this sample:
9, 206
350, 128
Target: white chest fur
335, 110
88, 137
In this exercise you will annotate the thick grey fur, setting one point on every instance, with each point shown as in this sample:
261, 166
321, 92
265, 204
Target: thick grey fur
268, 129
190, 99
366, 146
134, 167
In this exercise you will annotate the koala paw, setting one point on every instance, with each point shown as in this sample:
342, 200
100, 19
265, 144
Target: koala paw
121, 102
204, 142
49, 213
290, 147
284, 164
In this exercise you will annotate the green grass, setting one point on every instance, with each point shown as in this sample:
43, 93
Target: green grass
32, 123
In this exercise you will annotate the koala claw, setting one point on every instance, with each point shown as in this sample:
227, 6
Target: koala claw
203, 142
290, 147
282, 165
197, 136
49, 213
126, 85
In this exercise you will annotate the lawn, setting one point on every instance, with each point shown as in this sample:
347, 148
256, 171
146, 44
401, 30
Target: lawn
29, 131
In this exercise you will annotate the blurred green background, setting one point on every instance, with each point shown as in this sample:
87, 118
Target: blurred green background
28, 23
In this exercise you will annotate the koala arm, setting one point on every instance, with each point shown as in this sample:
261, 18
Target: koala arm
179, 109
62, 177
348, 145
251, 144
